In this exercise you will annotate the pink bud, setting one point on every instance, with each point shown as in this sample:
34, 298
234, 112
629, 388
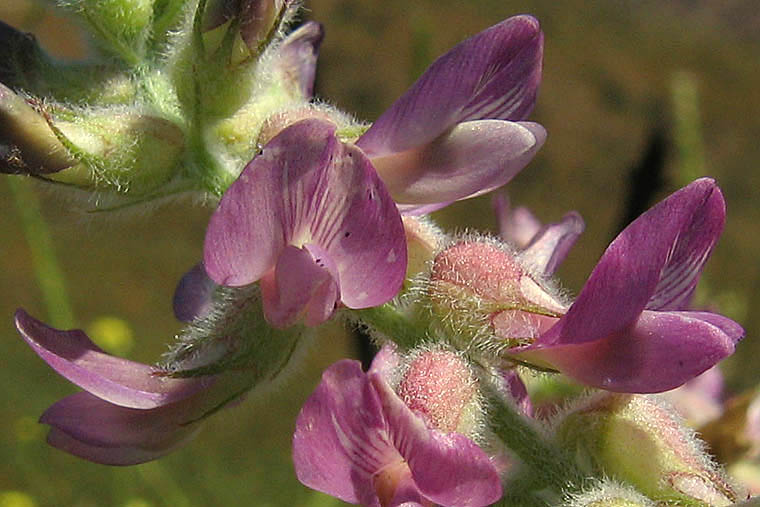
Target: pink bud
483, 282
439, 386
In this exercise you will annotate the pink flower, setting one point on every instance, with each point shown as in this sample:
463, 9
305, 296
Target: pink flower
359, 440
627, 330
128, 413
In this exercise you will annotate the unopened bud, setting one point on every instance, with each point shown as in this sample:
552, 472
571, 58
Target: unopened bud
636, 439
125, 21
254, 21
482, 283
439, 385
121, 152
27, 143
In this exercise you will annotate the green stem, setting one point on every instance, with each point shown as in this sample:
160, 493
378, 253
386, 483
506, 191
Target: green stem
523, 437
46, 267
407, 331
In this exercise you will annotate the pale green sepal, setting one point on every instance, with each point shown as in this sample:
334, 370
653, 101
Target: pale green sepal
235, 336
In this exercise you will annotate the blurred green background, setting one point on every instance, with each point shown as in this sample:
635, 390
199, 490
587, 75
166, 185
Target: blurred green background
621, 78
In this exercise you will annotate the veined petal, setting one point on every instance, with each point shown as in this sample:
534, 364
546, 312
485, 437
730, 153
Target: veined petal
307, 188
550, 245
493, 75
193, 295
299, 285
94, 429
653, 264
449, 469
471, 159
115, 380
98, 431
297, 57
358, 225
659, 351
341, 439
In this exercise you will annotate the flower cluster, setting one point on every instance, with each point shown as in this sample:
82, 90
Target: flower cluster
319, 217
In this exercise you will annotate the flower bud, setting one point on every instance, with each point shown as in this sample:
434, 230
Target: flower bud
116, 22
482, 286
255, 22
439, 386
27, 144
122, 151
633, 438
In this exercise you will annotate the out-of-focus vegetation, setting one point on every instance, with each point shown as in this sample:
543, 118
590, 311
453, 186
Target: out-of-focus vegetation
611, 72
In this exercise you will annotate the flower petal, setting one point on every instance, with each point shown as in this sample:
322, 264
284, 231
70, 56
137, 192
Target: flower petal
654, 264
307, 188
297, 57
115, 380
660, 351
550, 245
98, 431
463, 474
493, 75
193, 295
341, 438
299, 284
517, 226
473, 158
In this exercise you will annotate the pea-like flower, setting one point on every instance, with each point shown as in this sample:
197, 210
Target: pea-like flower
128, 413
628, 329
456, 133
360, 440
310, 219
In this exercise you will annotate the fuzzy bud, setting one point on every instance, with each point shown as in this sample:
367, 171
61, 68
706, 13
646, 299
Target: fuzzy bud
439, 386
254, 22
116, 23
636, 439
482, 284
121, 151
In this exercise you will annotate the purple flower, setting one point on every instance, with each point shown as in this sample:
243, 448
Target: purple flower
628, 330
359, 440
314, 220
310, 219
128, 413
456, 132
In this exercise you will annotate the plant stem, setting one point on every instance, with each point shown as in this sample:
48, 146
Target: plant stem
46, 267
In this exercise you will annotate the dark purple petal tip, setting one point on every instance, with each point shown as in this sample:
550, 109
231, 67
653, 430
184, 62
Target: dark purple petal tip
193, 295
653, 264
492, 75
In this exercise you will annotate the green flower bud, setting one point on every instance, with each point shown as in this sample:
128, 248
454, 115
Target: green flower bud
121, 27
121, 152
636, 439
